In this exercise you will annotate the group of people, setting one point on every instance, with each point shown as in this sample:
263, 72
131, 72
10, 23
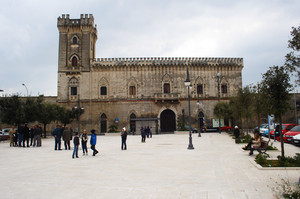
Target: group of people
67, 133
23, 135
145, 131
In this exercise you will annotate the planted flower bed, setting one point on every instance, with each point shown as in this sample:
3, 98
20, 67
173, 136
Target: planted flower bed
280, 162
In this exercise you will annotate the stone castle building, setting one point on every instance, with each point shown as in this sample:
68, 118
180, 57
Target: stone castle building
135, 92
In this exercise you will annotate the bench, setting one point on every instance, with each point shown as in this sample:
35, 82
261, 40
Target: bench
263, 147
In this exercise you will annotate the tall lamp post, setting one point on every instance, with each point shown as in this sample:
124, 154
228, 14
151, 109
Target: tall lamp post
218, 78
79, 110
187, 83
26, 88
198, 104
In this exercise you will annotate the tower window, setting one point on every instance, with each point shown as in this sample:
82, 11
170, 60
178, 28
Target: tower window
200, 89
224, 88
132, 90
73, 90
103, 90
74, 61
74, 40
166, 88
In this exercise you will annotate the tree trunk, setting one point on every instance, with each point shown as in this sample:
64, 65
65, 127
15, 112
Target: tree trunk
281, 136
45, 130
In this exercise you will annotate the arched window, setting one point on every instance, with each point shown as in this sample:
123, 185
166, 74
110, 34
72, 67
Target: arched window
103, 90
74, 40
200, 89
224, 88
74, 61
166, 88
132, 90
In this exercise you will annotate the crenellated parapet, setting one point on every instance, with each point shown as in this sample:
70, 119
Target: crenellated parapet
86, 20
167, 61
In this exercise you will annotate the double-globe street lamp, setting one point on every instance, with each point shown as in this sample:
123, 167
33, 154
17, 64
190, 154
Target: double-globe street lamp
187, 83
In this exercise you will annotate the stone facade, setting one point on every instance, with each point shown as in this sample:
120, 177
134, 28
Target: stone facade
135, 92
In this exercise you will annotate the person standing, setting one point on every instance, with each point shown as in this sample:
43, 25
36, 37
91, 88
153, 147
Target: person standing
37, 136
20, 134
31, 134
40, 130
93, 142
15, 138
67, 137
236, 133
12, 132
143, 134
76, 145
124, 138
57, 133
26, 135
84, 139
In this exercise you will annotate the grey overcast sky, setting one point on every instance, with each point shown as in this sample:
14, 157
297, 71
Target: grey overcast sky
256, 30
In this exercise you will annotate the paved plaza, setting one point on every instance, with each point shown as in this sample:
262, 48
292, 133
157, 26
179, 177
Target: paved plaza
161, 168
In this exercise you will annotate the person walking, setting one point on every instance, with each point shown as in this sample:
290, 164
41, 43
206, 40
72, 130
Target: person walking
124, 138
67, 138
143, 134
93, 142
57, 133
12, 131
84, 139
76, 145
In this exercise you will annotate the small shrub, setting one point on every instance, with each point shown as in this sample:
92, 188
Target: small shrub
112, 128
287, 190
261, 159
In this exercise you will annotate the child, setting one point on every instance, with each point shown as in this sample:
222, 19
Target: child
76, 145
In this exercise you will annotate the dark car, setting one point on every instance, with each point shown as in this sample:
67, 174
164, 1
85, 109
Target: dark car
194, 130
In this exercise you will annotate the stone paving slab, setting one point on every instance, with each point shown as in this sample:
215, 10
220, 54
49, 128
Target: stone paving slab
160, 168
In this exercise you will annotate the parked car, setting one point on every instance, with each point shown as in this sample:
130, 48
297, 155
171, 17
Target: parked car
225, 128
263, 128
285, 128
4, 135
296, 140
266, 133
194, 130
288, 136
207, 128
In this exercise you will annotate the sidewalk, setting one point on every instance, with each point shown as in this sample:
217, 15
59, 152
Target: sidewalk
161, 168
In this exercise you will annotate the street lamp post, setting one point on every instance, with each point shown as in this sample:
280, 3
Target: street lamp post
218, 78
79, 111
199, 125
187, 83
26, 88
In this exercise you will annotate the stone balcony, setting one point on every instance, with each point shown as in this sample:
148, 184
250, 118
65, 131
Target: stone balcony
167, 97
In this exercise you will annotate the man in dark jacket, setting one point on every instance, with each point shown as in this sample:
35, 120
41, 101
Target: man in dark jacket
67, 136
26, 135
57, 133
124, 138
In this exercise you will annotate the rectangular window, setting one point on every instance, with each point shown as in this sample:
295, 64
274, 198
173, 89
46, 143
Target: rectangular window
224, 88
73, 90
200, 89
132, 90
103, 90
166, 88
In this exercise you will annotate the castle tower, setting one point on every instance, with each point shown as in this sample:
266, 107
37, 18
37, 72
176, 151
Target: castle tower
77, 41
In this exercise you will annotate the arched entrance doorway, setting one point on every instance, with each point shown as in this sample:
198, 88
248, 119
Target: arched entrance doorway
103, 123
132, 123
167, 121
